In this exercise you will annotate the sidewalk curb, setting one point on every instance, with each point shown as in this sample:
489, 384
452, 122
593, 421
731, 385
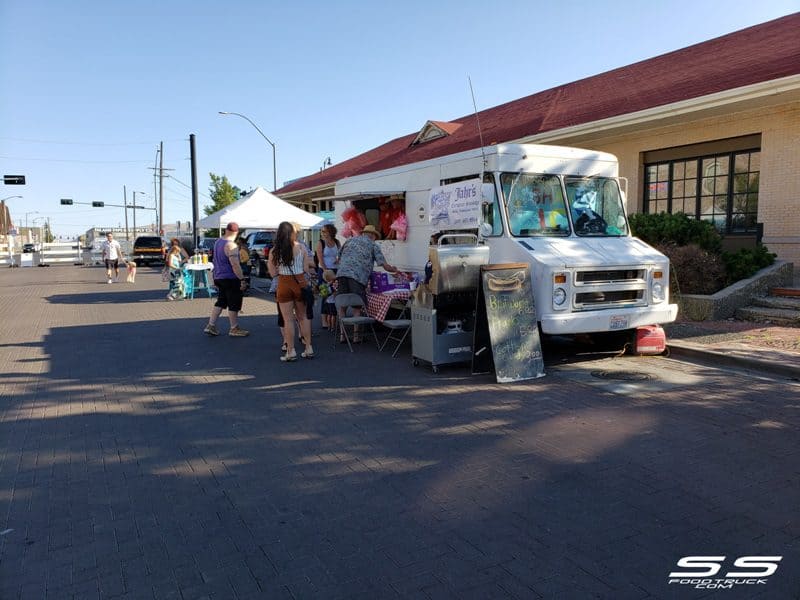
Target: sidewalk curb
706, 355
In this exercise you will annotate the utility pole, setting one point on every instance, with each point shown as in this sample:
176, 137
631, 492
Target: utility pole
161, 191
159, 171
155, 189
125, 202
195, 199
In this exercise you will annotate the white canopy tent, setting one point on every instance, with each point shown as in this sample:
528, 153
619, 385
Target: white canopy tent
259, 210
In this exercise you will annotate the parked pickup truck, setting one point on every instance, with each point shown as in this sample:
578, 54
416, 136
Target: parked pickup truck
147, 250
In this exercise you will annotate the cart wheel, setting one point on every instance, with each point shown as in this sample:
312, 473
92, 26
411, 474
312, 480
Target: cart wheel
435, 368
415, 362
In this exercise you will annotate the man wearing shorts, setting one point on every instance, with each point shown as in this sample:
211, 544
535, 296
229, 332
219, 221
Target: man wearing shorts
230, 282
112, 253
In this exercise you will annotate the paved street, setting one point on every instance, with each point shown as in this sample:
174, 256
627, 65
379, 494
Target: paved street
140, 458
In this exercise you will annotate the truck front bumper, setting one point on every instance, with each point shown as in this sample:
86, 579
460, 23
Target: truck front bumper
607, 320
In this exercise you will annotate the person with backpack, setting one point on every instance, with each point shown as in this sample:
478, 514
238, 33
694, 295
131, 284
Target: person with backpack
244, 262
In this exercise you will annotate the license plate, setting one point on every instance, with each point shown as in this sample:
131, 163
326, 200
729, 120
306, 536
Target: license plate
618, 322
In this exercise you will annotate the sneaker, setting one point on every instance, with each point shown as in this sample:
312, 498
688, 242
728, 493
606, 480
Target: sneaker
109, 280
211, 330
238, 332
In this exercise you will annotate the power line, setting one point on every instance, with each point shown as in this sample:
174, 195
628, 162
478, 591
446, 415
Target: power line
83, 143
186, 185
69, 160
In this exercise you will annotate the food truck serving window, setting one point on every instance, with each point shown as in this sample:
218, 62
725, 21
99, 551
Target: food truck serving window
386, 213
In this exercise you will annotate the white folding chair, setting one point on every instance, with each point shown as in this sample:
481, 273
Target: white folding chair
398, 328
345, 303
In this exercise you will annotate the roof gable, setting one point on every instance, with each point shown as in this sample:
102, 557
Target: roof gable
433, 130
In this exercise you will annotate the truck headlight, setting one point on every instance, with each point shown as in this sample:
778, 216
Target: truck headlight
658, 291
559, 296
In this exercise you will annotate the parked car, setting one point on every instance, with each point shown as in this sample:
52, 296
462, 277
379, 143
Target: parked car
206, 246
259, 244
148, 249
28, 248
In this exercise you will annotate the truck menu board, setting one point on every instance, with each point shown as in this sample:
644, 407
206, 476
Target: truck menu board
506, 336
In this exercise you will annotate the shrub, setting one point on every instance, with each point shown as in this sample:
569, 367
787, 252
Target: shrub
677, 229
746, 262
694, 248
696, 270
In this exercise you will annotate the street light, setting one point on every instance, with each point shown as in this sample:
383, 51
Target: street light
39, 236
134, 210
9, 198
33, 212
274, 168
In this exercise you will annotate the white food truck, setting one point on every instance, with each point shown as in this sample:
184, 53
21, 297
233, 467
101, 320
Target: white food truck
559, 209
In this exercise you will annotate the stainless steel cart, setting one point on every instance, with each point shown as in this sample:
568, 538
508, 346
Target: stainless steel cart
442, 327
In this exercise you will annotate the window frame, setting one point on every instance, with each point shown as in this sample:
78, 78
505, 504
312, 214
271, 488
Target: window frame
700, 179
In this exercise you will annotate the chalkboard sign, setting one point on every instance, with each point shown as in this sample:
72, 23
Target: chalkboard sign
506, 337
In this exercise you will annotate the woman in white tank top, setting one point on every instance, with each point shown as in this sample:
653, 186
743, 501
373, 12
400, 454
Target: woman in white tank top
288, 260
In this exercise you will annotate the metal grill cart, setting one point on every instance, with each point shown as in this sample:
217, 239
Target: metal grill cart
443, 320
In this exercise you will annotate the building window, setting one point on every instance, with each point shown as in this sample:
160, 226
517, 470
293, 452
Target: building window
720, 188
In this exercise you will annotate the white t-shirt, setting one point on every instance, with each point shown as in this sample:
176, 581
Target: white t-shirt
112, 250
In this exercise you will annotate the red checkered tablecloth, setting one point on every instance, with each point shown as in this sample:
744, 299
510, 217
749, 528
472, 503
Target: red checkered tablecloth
378, 304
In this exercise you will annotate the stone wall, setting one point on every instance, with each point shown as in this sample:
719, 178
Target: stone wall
723, 304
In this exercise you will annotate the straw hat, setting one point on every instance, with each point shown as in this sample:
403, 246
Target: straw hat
371, 230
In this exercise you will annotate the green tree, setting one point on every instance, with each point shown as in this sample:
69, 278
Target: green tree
222, 194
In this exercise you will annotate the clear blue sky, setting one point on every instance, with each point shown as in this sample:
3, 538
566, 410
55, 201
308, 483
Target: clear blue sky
90, 87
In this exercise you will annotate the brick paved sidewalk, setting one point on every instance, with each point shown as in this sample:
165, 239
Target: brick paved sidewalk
142, 459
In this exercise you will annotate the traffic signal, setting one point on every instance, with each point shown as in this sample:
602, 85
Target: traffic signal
98, 204
66, 201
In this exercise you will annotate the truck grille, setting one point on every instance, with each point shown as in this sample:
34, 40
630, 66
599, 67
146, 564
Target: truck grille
609, 289
609, 276
609, 298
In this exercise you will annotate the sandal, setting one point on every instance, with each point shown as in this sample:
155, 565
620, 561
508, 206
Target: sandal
289, 358
284, 348
307, 354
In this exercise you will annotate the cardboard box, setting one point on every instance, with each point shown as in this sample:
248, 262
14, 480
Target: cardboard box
385, 282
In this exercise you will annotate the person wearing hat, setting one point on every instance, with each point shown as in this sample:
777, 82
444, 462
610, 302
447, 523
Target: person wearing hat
356, 259
230, 282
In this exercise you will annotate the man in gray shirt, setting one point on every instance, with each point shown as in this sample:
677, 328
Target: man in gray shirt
356, 259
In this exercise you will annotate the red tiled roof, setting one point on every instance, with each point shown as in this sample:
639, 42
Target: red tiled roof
754, 55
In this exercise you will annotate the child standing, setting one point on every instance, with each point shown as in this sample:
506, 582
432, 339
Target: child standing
328, 301
131, 265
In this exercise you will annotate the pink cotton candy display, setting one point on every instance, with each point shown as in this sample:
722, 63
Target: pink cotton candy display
400, 225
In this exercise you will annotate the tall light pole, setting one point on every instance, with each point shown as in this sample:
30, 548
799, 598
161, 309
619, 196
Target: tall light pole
9, 198
134, 210
274, 168
39, 237
33, 212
